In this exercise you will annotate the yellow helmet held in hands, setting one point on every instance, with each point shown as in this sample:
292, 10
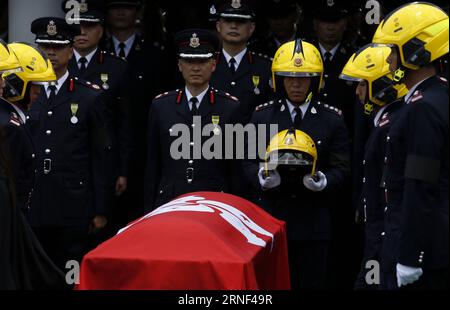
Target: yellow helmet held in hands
36, 69
297, 59
369, 64
292, 148
8, 61
419, 31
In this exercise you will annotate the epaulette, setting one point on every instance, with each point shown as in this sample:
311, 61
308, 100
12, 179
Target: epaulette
226, 95
82, 82
416, 97
262, 56
111, 54
14, 119
265, 105
332, 109
166, 94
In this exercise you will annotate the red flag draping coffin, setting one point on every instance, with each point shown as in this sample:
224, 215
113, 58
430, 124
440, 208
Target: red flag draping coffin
200, 241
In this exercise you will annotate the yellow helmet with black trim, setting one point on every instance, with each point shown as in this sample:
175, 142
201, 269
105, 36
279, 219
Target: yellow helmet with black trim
36, 69
369, 64
292, 148
418, 30
297, 59
8, 60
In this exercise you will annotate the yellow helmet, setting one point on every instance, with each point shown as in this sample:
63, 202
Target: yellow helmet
293, 148
36, 69
420, 32
369, 64
8, 61
297, 59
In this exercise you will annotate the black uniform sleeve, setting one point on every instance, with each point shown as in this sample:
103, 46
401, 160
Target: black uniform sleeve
153, 162
125, 134
14, 148
339, 162
251, 165
427, 150
100, 143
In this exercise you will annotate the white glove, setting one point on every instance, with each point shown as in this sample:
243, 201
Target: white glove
272, 181
313, 185
407, 275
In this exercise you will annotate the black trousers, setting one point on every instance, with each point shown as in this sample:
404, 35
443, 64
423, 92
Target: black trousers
64, 244
308, 264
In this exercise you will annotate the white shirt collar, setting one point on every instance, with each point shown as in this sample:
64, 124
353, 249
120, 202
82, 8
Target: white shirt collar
199, 97
58, 84
88, 57
332, 51
128, 44
303, 107
413, 90
238, 57
20, 112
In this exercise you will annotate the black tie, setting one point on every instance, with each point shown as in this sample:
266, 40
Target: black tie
298, 118
83, 62
52, 95
327, 61
122, 50
194, 108
233, 66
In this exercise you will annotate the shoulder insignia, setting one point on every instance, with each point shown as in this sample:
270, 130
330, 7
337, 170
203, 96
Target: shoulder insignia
416, 97
87, 84
14, 119
333, 109
226, 95
162, 95
264, 106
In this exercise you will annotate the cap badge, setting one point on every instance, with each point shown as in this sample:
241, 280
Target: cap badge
330, 2
213, 10
289, 141
236, 4
83, 6
195, 41
51, 28
298, 62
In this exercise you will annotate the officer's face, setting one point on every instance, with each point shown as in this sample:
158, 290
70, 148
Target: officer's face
91, 33
330, 32
35, 91
392, 60
235, 31
283, 28
59, 55
122, 17
197, 72
297, 88
361, 91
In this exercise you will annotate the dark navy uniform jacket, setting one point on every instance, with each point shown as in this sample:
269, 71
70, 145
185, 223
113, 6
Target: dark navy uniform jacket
112, 74
307, 213
372, 199
250, 84
168, 177
70, 136
416, 181
19, 149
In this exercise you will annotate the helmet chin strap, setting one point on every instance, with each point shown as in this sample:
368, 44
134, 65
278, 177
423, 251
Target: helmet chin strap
399, 75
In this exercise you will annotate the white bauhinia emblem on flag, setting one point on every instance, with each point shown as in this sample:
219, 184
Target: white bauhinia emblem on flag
236, 218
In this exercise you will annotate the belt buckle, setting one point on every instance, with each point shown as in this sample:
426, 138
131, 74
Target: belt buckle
190, 175
47, 166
